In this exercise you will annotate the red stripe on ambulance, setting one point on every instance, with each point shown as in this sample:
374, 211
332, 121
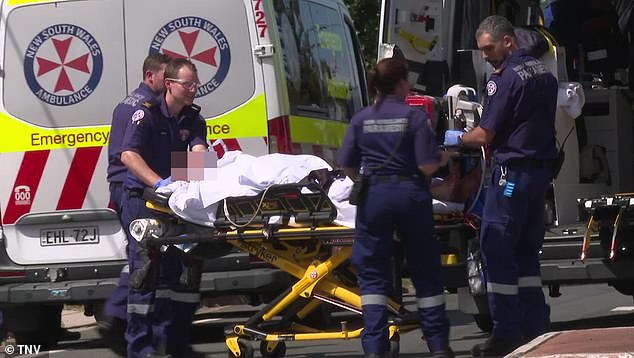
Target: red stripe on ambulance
79, 176
221, 146
280, 131
25, 186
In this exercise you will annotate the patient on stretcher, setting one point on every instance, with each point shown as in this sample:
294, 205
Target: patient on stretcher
243, 175
456, 188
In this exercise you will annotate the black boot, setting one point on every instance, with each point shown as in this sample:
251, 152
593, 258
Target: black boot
443, 353
188, 352
494, 348
375, 355
157, 355
112, 330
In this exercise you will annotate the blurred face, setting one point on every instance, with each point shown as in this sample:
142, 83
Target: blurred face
494, 51
155, 80
183, 89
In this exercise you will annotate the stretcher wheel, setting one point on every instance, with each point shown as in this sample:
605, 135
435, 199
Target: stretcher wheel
278, 352
246, 349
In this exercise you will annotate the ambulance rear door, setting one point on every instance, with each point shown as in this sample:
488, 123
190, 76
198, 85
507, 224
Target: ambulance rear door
62, 73
220, 37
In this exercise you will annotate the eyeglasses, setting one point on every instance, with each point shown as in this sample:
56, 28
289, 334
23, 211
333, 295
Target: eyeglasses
188, 85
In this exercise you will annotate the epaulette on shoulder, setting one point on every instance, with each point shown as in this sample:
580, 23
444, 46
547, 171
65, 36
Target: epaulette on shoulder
193, 110
150, 103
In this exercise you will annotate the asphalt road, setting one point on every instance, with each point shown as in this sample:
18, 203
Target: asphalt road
579, 307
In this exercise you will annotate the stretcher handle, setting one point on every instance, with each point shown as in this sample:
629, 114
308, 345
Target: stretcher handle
615, 230
586, 239
158, 199
324, 234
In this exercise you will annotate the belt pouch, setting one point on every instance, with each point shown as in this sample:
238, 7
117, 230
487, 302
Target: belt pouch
359, 189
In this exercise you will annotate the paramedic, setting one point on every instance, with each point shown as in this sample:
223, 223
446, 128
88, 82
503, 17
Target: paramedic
396, 147
112, 328
160, 308
519, 124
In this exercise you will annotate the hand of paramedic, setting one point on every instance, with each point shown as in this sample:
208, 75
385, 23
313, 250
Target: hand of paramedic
453, 138
163, 182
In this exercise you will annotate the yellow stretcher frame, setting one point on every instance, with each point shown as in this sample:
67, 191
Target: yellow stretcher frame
316, 283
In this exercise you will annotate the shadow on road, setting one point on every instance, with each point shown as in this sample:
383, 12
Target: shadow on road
620, 320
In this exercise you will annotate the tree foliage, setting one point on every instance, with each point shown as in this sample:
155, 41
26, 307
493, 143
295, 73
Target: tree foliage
365, 15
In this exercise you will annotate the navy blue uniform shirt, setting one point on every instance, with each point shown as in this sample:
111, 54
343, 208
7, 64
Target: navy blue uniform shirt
121, 116
155, 134
375, 131
520, 106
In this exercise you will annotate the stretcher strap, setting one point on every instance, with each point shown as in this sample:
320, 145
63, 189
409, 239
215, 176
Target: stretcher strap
255, 214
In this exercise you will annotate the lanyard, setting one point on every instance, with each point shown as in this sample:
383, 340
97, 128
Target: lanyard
503, 171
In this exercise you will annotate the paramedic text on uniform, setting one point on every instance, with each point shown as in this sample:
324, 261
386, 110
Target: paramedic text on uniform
519, 123
394, 143
112, 328
160, 307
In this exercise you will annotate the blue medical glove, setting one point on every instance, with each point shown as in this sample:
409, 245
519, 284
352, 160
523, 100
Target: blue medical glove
453, 138
163, 182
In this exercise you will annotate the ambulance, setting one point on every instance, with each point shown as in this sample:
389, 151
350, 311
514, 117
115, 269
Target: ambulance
276, 76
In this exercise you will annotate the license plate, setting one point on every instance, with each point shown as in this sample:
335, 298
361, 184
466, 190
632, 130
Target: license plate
79, 235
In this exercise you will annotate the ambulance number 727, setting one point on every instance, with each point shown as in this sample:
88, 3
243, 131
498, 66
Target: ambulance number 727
69, 236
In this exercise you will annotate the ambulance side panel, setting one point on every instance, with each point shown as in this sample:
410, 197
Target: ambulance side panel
219, 38
63, 66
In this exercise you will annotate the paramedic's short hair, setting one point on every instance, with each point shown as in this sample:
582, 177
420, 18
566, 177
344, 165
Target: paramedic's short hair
496, 25
171, 71
154, 61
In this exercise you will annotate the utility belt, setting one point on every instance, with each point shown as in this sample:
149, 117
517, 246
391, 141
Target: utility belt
529, 163
134, 193
392, 178
115, 185
361, 183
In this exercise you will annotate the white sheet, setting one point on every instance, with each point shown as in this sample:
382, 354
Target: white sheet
238, 174
241, 174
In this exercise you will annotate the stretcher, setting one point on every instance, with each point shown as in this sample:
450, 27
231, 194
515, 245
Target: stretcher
291, 227
610, 215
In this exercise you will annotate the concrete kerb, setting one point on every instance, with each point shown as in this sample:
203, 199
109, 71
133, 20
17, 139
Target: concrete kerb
523, 350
